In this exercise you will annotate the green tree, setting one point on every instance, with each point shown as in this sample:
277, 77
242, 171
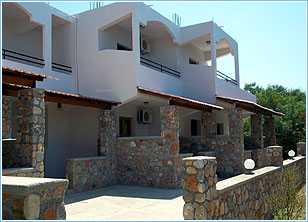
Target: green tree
290, 128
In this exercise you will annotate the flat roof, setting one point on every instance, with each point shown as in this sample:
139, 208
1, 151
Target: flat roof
249, 106
180, 101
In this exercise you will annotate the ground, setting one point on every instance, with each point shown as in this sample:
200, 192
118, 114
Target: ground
302, 194
125, 203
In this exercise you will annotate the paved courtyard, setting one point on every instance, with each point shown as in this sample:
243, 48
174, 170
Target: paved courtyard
125, 203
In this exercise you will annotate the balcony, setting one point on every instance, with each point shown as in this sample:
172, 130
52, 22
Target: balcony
223, 76
159, 67
33, 61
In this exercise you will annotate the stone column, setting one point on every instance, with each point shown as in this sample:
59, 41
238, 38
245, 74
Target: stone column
274, 156
301, 148
107, 133
257, 129
269, 131
199, 188
31, 129
237, 154
6, 117
170, 128
209, 125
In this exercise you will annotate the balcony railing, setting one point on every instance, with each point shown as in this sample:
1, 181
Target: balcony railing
22, 57
159, 67
33, 60
61, 67
227, 78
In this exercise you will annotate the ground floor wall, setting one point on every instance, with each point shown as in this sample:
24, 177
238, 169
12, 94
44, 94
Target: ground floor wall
71, 132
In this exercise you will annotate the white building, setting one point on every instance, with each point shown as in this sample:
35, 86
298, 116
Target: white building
124, 52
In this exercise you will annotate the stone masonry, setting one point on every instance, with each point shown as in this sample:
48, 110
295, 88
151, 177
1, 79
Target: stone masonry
274, 156
208, 125
31, 129
199, 187
238, 198
6, 117
301, 148
258, 155
33, 198
152, 161
269, 131
257, 129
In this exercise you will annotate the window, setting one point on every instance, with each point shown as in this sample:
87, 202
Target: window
220, 129
195, 127
125, 126
193, 61
123, 47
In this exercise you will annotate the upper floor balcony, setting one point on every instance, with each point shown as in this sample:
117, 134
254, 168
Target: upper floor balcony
42, 44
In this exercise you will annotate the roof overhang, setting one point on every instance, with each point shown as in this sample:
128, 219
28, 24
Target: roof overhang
21, 77
249, 106
180, 101
60, 97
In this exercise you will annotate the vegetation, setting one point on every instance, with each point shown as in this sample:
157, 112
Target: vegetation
290, 128
284, 199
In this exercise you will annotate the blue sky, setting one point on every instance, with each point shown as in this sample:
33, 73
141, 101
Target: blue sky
271, 36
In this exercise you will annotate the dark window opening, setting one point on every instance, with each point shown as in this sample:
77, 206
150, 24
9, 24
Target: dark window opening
193, 61
220, 129
195, 127
123, 47
125, 127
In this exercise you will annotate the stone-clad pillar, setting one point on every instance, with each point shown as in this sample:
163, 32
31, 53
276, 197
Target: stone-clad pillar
208, 124
274, 156
237, 154
257, 129
199, 188
269, 131
301, 148
170, 128
6, 117
31, 129
107, 133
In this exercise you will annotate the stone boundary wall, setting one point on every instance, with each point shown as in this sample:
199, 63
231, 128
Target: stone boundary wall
301, 148
18, 172
89, 173
33, 198
240, 197
248, 154
258, 155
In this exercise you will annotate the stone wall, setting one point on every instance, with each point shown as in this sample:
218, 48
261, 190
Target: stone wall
31, 129
258, 155
152, 161
18, 172
247, 154
6, 117
238, 198
11, 154
33, 198
274, 156
301, 148
89, 173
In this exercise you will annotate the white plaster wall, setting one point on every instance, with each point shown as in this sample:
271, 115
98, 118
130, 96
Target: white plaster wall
151, 79
228, 89
222, 117
29, 43
130, 111
63, 44
190, 51
163, 51
106, 74
198, 82
185, 122
108, 38
72, 132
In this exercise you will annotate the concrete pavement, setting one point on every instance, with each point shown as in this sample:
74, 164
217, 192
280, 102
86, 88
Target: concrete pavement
125, 203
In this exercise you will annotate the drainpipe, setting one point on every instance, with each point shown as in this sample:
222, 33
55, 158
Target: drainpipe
76, 57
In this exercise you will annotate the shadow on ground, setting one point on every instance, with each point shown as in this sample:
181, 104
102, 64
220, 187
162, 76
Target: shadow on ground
125, 191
